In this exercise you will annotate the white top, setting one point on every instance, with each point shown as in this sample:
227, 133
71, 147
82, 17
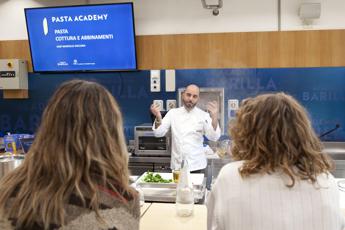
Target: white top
263, 202
187, 130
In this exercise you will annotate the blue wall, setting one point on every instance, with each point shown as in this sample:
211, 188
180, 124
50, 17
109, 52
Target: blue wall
320, 90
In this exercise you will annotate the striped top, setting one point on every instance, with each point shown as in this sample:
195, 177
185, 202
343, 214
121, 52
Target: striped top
265, 202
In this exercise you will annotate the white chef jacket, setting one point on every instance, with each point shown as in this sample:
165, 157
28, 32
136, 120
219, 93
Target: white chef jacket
263, 202
187, 130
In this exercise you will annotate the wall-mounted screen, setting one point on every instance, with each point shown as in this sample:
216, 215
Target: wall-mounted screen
82, 38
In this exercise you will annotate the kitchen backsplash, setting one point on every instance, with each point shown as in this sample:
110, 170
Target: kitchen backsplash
320, 90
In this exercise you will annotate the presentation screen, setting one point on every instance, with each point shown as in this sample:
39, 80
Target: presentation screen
82, 38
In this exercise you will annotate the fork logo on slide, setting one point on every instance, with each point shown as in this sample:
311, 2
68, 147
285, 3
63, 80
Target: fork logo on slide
45, 26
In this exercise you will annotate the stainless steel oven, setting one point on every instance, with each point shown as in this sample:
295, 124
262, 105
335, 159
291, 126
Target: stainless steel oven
146, 144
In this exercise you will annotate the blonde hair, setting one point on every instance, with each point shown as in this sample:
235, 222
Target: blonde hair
272, 132
79, 146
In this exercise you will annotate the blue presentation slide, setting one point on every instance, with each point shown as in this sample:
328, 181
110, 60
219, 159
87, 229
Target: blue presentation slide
91, 37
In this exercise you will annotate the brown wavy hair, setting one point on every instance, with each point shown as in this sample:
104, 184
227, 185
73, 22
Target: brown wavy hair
79, 146
272, 132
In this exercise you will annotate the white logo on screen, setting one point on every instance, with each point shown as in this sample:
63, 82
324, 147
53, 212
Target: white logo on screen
45, 26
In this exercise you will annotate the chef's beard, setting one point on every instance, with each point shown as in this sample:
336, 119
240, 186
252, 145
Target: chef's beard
189, 105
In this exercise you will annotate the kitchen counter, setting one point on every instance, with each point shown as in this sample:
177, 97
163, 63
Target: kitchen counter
163, 216
144, 208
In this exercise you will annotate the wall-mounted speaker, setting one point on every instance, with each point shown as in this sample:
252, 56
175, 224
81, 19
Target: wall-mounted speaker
310, 10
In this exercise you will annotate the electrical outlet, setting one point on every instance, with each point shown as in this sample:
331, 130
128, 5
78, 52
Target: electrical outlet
170, 104
155, 81
233, 104
232, 108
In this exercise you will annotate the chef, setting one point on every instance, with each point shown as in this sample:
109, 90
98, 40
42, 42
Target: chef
188, 125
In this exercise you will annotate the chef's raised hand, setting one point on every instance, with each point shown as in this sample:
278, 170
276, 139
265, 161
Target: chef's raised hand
212, 108
155, 111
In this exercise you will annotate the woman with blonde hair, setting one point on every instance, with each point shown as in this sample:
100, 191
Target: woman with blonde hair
75, 175
281, 178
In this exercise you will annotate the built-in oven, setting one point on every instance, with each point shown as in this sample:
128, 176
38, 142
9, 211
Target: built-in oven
146, 144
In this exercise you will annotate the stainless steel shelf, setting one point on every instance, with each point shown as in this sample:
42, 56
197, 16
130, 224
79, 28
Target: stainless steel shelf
139, 159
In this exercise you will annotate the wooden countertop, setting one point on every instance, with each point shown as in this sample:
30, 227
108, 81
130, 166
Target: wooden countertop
163, 216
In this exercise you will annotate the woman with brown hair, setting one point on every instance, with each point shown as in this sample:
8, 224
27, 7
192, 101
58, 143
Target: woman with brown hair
75, 175
281, 178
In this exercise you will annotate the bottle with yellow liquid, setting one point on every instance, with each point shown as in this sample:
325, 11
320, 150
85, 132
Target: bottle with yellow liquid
10, 143
14, 147
223, 148
176, 174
